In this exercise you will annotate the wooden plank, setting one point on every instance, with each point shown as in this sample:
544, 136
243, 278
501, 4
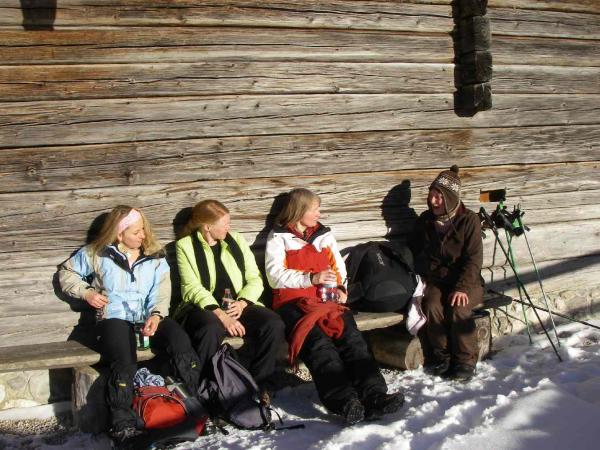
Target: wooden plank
193, 44
54, 355
61, 219
545, 79
26, 83
150, 163
545, 51
523, 22
103, 121
370, 15
586, 6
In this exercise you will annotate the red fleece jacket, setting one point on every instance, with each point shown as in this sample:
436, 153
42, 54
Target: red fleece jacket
328, 316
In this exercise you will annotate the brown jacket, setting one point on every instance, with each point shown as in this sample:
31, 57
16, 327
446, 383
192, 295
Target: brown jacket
453, 260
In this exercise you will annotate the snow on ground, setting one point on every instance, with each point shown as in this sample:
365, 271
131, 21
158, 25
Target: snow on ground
522, 398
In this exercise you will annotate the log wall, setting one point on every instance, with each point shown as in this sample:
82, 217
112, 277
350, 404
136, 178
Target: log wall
160, 104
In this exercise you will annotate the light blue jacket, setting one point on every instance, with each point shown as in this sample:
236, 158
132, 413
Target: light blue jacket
133, 293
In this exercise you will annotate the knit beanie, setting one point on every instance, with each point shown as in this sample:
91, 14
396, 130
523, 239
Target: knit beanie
448, 183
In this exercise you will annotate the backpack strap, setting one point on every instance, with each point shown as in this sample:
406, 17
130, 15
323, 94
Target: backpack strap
201, 261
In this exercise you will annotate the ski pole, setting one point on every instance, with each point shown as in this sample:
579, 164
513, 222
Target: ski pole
571, 319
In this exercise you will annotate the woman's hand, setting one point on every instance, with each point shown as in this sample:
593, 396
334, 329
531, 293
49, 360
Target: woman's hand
94, 299
458, 298
236, 308
342, 296
325, 277
233, 326
151, 325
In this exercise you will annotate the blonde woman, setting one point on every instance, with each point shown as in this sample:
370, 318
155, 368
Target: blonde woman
302, 255
212, 259
123, 274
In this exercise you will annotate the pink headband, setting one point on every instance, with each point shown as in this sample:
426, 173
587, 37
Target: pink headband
133, 216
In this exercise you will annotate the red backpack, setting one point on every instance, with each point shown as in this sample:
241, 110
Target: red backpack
158, 407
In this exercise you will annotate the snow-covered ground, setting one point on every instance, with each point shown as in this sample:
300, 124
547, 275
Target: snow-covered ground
522, 398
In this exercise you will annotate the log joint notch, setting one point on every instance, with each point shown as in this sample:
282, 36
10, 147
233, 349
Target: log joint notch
472, 57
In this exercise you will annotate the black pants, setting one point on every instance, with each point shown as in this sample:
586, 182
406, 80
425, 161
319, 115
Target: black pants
264, 334
341, 368
451, 330
118, 350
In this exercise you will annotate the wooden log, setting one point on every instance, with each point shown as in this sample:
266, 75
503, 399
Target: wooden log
59, 219
161, 162
192, 44
544, 51
473, 98
559, 24
374, 15
104, 121
546, 79
519, 20
26, 82
590, 6
395, 347
474, 68
473, 35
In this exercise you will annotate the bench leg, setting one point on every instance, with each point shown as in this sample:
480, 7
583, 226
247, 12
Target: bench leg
90, 412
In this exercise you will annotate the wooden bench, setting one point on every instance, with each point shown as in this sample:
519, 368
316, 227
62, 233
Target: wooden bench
390, 344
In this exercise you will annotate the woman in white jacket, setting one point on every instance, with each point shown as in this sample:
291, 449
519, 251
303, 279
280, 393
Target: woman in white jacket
302, 259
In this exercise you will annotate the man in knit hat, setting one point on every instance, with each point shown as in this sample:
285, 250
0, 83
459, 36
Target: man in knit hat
449, 251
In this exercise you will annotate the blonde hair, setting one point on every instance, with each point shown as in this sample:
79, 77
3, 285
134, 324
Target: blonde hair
206, 212
299, 201
109, 231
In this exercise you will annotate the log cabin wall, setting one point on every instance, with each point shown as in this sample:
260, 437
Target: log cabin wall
159, 104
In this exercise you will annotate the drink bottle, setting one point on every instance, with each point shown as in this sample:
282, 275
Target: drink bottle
227, 300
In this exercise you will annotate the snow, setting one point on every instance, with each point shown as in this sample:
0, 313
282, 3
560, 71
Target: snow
521, 398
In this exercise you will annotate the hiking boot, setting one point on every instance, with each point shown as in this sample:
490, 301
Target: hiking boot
461, 372
439, 369
119, 436
379, 404
353, 411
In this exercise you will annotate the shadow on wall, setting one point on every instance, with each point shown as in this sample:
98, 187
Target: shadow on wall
399, 217
38, 14
83, 331
259, 242
179, 221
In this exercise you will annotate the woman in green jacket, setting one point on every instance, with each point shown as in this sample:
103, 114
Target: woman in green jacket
212, 261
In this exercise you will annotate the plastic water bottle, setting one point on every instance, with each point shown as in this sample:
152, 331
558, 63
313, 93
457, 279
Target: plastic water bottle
227, 300
143, 341
328, 292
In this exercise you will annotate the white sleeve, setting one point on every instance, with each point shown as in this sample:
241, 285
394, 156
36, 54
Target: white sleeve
278, 275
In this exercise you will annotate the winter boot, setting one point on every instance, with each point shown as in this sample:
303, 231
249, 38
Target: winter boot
379, 404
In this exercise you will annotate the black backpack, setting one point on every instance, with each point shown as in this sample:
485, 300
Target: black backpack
381, 276
230, 393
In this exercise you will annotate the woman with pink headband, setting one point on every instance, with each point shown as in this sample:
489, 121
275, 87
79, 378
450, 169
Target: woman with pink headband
124, 276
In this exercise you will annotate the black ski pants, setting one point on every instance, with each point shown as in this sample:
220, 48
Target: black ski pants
264, 334
341, 368
117, 346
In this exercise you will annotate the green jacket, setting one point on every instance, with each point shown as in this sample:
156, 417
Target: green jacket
192, 290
